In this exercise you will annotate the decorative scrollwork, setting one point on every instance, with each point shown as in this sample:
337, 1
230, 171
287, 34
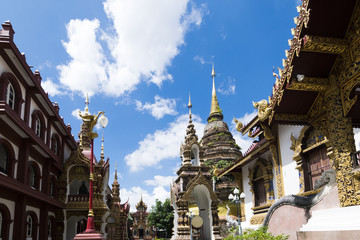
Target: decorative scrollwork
257, 219
324, 45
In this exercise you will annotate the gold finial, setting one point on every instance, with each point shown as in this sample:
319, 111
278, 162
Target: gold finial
115, 170
102, 147
81, 141
214, 102
87, 103
189, 106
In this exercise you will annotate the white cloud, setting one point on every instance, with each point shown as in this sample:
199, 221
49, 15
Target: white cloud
227, 87
162, 144
143, 39
85, 73
51, 88
160, 181
243, 141
202, 60
75, 113
135, 193
159, 108
46, 64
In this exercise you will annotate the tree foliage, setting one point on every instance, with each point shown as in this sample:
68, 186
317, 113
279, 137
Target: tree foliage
259, 234
162, 216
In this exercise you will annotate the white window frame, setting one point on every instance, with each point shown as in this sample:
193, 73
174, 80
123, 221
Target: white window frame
38, 127
29, 226
10, 96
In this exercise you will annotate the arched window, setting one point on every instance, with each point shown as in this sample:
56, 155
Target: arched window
261, 182
55, 144
10, 96
29, 227
81, 226
4, 159
310, 154
38, 127
38, 124
317, 161
259, 187
4, 221
33, 175
195, 155
31, 224
50, 229
10, 91
52, 187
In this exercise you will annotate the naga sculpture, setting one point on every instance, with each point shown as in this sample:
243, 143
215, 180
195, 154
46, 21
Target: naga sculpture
264, 110
230, 221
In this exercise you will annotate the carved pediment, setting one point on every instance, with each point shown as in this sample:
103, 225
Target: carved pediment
76, 158
199, 179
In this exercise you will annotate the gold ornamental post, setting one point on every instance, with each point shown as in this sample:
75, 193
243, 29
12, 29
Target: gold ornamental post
90, 121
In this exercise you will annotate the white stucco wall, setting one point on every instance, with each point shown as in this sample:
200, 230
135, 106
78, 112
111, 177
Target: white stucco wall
248, 195
3, 66
67, 153
290, 173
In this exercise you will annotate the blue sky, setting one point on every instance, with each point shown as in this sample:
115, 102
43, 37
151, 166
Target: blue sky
139, 59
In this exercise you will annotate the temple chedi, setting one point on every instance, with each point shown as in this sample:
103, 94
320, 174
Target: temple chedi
193, 191
117, 222
219, 146
140, 228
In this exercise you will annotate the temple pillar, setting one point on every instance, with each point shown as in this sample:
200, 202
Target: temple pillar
341, 137
276, 160
215, 220
183, 220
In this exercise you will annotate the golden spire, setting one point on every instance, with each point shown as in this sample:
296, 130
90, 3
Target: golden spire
87, 103
214, 102
115, 170
102, 148
189, 106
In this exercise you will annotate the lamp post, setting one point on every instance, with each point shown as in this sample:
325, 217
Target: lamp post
90, 121
237, 198
191, 215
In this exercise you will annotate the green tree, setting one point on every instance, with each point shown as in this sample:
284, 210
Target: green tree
162, 216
